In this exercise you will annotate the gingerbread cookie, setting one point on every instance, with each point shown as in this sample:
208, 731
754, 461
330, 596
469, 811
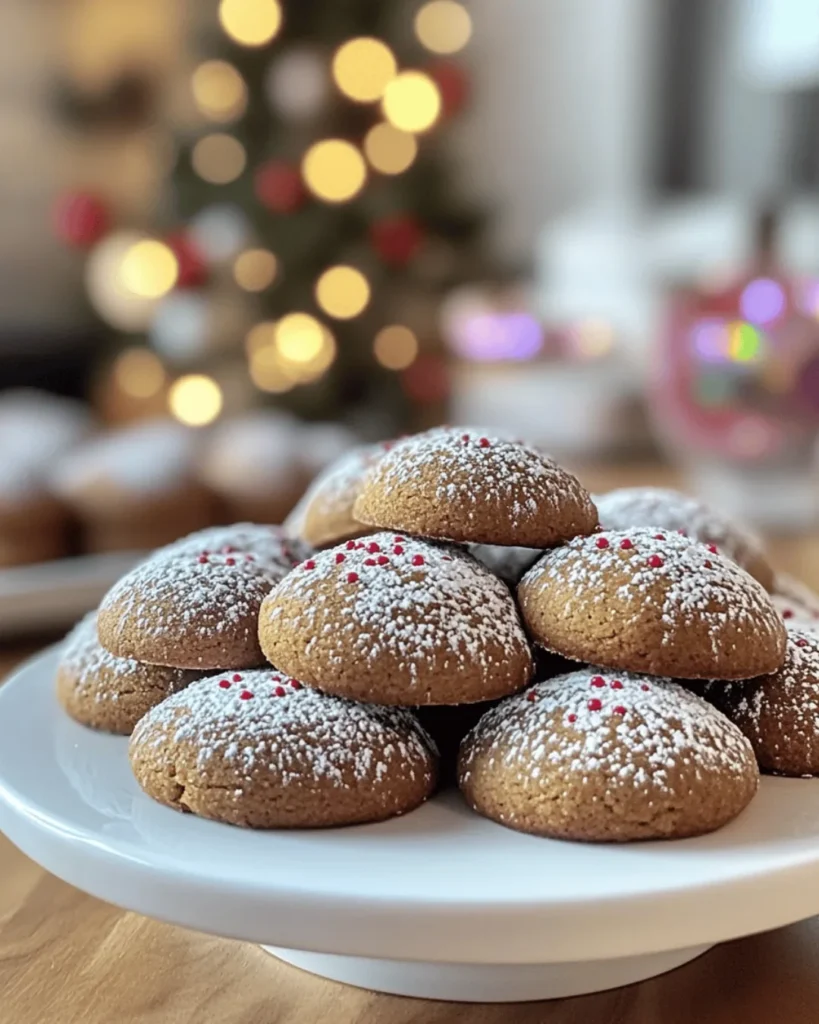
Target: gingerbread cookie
605, 757
397, 621
779, 713
258, 749
109, 693
464, 486
324, 516
271, 546
652, 601
190, 609
671, 510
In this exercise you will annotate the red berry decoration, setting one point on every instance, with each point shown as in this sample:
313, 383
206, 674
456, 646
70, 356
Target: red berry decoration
382, 559
597, 681
713, 549
309, 564
801, 642
352, 577
280, 691
396, 239
398, 550
655, 562
340, 558
601, 543
80, 219
618, 709
278, 186
225, 685
617, 685
571, 718
626, 544
417, 559
595, 704
531, 695
350, 545
237, 678
245, 695
787, 614
295, 684
373, 547
192, 268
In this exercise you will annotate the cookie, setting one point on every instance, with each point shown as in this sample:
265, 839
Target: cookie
671, 510
603, 757
779, 713
34, 526
190, 610
465, 486
394, 620
796, 615
258, 749
649, 601
791, 594
271, 546
324, 516
508, 564
109, 693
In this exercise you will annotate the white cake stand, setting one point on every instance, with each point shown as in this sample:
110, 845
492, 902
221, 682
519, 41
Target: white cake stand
439, 904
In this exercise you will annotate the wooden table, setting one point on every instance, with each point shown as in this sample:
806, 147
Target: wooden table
66, 958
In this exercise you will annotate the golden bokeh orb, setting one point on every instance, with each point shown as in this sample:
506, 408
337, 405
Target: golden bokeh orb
388, 149
267, 372
255, 269
250, 22
195, 399
412, 102
395, 347
139, 373
149, 269
334, 170
219, 90
443, 26
342, 292
299, 337
362, 68
219, 158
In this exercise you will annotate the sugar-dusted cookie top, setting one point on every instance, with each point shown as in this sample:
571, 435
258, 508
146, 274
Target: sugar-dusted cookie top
397, 621
607, 756
463, 485
259, 749
779, 713
652, 601
270, 546
189, 608
667, 509
106, 692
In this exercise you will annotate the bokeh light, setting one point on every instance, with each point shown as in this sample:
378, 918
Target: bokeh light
342, 292
362, 68
219, 90
219, 158
592, 339
195, 400
149, 269
267, 372
762, 300
388, 149
334, 170
138, 372
412, 102
255, 269
250, 22
395, 347
744, 342
261, 335
443, 26
299, 337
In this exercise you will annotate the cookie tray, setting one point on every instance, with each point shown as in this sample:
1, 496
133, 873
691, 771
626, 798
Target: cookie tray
440, 903
53, 595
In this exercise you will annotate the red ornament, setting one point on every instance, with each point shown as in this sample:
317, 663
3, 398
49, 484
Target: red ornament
396, 239
279, 187
193, 270
453, 85
80, 219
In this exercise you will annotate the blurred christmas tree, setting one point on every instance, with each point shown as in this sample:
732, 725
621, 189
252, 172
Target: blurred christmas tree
311, 226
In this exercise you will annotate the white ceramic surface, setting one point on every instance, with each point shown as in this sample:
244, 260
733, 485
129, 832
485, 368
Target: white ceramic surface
441, 885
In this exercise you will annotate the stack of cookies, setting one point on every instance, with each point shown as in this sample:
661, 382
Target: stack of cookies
412, 620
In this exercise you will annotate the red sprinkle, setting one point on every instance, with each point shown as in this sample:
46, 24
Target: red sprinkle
446, 558
398, 550
713, 549
373, 547
531, 695
801, 642
295, 684
369, 561
683, 533
465, 438
484, 442
350, 545
202, 559
595, 704
245, 695
398, 540
252, 558
601, 542
228, 549
597, 681
619, 710
309, 564
625, 544
617, 685
655, 562
224, 684
787, 614
230, 561
352, 577
707, 564
237, 678
340, 558
417, 559
280, 691
659, 536
382, 559
645, 686
571, 718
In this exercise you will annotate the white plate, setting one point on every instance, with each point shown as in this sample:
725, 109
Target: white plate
53, 595
440, 886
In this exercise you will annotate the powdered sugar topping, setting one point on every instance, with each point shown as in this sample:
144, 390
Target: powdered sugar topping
265, 721
635, 730
270, 546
